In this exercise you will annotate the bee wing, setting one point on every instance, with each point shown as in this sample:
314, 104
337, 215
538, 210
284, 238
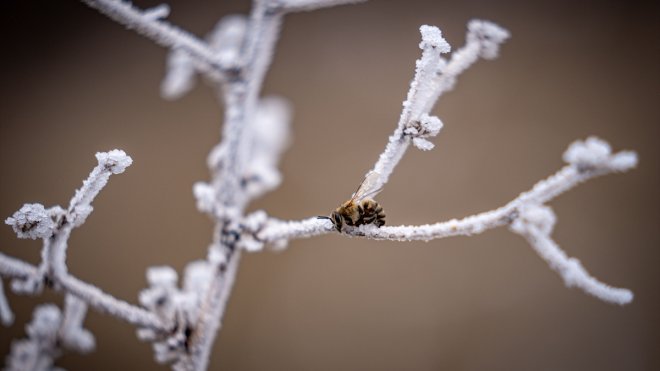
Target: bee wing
368, 188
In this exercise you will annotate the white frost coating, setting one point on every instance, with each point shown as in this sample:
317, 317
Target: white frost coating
227, 38
592, 152
523, 215
423, 144
623, 161
483, 40
197, 276
6, 315
45, 323
105, 303
308, 5
162, 276
434, 76
162, 33
535, 224
112, 162
29, 279
596, 153
432, 38
38, 351
251, 225
534, 216
543, 191
488, 35
271, 137
73, 335
48, 332
278, 232
180, 76
426, 127
178, 307
417, 102
205, 196
34, 221
157, 12
14, 268
116, 160
26, 279
427, 68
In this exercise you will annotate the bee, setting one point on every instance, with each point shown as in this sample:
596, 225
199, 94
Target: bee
361, 208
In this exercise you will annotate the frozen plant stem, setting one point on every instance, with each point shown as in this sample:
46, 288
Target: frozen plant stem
181, 320
54, 226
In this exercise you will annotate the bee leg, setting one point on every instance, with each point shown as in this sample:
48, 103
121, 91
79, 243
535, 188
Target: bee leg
360, 210
359, 221
380, 220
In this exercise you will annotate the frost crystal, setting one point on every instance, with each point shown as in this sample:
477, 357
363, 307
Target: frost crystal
271, 137
34, 221
623, 161
489, 35
595, 153
423, 144
227, 37
178, 307
540, 217
180, 77
73, 335
45, 323
162, 276
116, 160
251, 226
205, 196
47, 333
197, 276
426, 127
432, 37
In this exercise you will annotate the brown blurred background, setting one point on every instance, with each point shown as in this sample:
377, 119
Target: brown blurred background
74, 82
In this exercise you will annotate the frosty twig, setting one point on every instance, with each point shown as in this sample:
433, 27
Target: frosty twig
54, 226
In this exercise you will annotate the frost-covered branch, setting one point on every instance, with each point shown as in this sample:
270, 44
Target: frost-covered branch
182, 320
54, 226
230, 168
40, 349
150, 24
6, 315
290, 6
535, 223
15, 268
49, 334
586, 160
576, 172
433, 76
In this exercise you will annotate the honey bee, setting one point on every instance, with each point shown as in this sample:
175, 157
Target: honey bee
361, 208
